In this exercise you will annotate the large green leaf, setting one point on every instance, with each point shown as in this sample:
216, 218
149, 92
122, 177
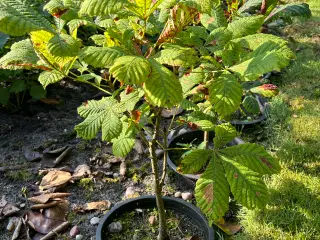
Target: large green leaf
100, 114
203, 6
17, 18
193, 161
175, 55
251, 104
124, 143
247, 186
63, 45
102, 7
212, 191
201, 120
191, 79
129, 101
74, 24
254, 157
224, 133
245, 26
225, 93
162, 88
131, 69
100, 57
21, 56
49, 77
290, 10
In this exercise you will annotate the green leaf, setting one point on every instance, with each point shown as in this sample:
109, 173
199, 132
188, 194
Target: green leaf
212, 191
175, 55
218, 38
100, 114
18, 86
204, 6
76, 23
224, 133
102, 7
98, 39
37, 92
225, 93
251, 104
129, 101
188, 105
201, 120
4, 96
131, 69
191, 79
100, 57
245, 26
18, 19
290, 10
123, 145
247, 186
64, 45
21, 56
49, 77
254, 157
193, 161
162, 87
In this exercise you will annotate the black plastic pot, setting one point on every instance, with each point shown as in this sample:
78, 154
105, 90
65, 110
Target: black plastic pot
185, 135
148, 202
263, 104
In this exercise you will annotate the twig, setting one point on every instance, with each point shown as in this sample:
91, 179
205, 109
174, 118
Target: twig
45, 205
61, 157
165, 158
55, 231
10, 168
17, 230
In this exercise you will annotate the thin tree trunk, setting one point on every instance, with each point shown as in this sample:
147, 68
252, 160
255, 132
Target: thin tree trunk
206, 139
157, 186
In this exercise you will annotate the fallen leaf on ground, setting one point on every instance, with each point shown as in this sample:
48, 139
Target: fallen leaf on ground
58, 212
54, 179
229, 227
40, 223
102, 205
52, 158
44, 198
82, 171
31, 155
6, 209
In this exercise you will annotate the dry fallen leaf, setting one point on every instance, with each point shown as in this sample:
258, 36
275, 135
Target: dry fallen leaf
229, 227
81, 171
58, 212
40, 223
6, 209
102, 205
54, 179
43, 198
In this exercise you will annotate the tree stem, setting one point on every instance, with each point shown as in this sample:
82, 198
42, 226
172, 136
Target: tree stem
206, 139
157, 186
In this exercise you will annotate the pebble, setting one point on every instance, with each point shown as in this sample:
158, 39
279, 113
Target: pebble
116, 175
74, 231
159, 152
153, 220
11, 225
130, 192
79, 237
186, 196
94, 221
178, 195
22, 205
138, 146
115, 227
123, 169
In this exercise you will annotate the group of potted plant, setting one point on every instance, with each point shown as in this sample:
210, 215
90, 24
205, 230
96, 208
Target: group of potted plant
155, 55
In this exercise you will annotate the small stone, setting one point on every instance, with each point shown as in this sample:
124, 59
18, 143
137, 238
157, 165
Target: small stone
178, 195
115, 227
11, 225
123, 169
130, 192
116, 175
109, 174
74, 231
153, 220
139, 210
79, 237
138, 146
94, 221
106, 166
22, 205
186, 196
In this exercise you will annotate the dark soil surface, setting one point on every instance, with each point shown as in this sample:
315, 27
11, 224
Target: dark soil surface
179, 226
42, 127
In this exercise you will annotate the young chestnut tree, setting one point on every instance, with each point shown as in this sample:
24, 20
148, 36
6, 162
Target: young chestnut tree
143, 47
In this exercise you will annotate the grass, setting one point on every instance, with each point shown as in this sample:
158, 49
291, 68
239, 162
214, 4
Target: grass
293, 133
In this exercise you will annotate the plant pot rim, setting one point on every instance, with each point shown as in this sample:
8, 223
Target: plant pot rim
143, 202
173, 135
263, 105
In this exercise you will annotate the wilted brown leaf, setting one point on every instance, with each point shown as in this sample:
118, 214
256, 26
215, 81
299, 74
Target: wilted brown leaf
81, 171
58, 212
40, 223
6, 209
54, 179
102, 205
43, 198
229, 227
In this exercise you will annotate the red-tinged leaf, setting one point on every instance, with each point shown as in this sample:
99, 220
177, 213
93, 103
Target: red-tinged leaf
129, 90
136, 115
